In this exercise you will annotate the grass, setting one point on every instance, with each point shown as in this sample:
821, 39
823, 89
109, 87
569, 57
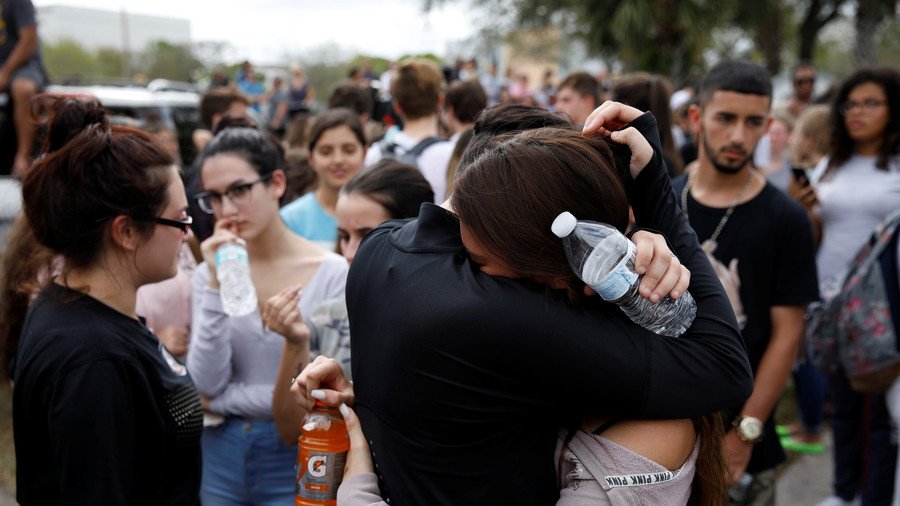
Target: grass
7, 450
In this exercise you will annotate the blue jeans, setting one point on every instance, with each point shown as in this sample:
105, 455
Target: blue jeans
245, 463
810, 389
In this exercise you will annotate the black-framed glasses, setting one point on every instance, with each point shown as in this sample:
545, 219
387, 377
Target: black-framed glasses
237, 194
866, 106
183, 225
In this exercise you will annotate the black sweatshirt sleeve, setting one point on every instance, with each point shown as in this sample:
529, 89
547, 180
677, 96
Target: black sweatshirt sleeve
613, 366
713, 346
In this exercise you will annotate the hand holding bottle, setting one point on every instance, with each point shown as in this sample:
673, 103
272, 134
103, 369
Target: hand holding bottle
660, 270
223, 232
605, 259
322, 379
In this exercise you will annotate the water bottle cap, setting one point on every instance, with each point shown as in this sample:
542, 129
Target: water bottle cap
564, 224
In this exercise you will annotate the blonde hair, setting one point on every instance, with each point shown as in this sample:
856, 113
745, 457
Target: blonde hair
814, 125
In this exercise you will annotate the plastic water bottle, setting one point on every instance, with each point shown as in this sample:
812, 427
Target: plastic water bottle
235, 285
604, 259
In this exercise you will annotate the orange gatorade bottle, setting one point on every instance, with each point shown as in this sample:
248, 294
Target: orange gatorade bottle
323, 446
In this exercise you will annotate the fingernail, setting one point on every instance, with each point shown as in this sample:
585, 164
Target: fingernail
318, 394
676, 294
344, 410
654, 297
645, 291
640, 269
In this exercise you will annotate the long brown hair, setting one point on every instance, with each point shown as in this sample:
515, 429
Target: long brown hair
842, 146
26, 267
709, 487
509, 196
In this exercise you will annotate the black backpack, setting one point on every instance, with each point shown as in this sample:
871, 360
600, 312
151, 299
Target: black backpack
389, 150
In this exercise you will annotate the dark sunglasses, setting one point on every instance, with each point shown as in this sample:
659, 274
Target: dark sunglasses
804, 80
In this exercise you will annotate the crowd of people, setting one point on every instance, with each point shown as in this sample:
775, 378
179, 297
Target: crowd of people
400, 236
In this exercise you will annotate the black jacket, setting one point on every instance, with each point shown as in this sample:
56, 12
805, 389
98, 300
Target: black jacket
462, 380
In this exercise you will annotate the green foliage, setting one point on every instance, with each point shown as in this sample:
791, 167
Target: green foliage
379, 64
170, 61
111, 62
68, 59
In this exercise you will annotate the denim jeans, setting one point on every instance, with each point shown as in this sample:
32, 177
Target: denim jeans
245, 463
810, 389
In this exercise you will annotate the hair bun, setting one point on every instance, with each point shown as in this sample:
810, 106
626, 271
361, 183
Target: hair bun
66, 117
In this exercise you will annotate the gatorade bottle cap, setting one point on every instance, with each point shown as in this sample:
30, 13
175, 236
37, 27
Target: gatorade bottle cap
564, 224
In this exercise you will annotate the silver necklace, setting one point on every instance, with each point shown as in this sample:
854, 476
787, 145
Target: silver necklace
710, 244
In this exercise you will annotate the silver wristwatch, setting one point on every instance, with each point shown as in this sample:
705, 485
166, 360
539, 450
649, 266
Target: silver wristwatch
749, 429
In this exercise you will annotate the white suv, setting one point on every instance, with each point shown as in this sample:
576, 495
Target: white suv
170, 103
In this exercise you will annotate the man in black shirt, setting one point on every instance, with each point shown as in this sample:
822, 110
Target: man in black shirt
463, 379
760, 242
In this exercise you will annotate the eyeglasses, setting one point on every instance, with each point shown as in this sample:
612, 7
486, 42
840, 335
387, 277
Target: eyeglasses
183, 225
866, 106
804, 80
238, 195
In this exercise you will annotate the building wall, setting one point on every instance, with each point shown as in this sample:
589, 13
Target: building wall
94, 28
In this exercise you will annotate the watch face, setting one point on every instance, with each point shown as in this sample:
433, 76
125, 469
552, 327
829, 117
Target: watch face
751, 428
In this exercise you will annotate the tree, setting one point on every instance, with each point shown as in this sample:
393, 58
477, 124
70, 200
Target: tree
869, 15
765, 22
170, 61
664, 36
815, 15
111, 63
67, 59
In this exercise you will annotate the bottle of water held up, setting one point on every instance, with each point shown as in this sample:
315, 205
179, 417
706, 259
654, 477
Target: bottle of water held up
604, 259
235, 285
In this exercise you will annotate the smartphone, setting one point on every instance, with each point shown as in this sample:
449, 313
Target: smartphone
800, 175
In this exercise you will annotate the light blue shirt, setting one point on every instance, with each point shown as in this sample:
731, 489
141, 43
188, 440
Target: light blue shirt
306, 218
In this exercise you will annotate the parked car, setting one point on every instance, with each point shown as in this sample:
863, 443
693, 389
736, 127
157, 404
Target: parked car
172, 104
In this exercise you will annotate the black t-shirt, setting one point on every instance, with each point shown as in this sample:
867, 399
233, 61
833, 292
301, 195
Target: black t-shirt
102, 414
463, 379
770, 237
16, 14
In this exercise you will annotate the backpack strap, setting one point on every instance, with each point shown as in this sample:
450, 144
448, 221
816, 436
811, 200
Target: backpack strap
422, 145
889, 269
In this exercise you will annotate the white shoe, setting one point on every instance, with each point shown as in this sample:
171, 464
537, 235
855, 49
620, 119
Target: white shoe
837, 501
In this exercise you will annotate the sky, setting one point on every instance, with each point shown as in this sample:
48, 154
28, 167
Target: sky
266, 31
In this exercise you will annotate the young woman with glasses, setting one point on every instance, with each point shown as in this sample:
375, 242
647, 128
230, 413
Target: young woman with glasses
853, 190
235, 360
389, 190
337, 149
102, 412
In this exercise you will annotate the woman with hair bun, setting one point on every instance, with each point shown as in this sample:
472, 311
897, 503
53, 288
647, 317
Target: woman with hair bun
102, 413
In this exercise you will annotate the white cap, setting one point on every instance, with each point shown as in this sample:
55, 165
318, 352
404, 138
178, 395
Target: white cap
564, 224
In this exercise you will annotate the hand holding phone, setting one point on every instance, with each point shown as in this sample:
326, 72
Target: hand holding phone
800, 175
